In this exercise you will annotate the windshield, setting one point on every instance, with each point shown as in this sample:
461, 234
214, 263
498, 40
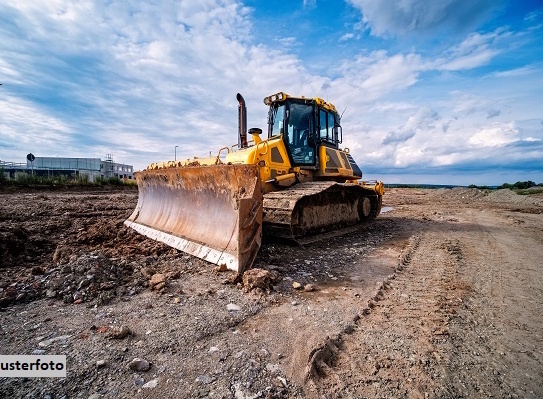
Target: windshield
300, 125
299, 129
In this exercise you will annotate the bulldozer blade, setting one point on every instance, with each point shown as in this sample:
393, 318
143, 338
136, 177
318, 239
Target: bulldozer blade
211, 212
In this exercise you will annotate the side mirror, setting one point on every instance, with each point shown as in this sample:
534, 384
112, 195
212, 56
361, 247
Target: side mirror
338, 134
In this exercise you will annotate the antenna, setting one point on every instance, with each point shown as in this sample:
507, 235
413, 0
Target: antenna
341, 116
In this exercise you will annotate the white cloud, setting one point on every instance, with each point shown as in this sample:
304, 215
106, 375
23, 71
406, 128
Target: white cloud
513, 73
377, 74
31, 127
399, 17
476, 50
496, 135
346, 36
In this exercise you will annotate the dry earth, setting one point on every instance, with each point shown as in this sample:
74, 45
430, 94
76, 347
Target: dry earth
440, 297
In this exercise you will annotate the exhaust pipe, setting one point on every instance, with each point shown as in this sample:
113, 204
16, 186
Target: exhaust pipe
242, 121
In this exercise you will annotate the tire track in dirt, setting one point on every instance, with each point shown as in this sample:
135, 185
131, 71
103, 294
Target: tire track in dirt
397, 348
497, 333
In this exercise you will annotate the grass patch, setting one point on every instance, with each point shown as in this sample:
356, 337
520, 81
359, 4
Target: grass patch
530, 191
27, 179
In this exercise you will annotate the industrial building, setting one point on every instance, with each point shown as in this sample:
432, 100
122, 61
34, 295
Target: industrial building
73, 168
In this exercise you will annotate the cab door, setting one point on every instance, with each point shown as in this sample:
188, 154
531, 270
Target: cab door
298, 135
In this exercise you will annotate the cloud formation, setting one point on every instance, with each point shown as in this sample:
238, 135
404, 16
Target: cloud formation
82, 78
396, 18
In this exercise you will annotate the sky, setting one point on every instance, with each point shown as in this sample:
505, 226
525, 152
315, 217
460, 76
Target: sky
444, 92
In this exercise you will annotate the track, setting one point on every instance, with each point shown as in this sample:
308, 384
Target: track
313, 208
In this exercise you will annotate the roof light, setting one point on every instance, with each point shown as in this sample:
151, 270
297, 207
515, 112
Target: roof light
275, 97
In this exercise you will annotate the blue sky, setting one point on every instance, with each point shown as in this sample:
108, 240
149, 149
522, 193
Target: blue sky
447, 92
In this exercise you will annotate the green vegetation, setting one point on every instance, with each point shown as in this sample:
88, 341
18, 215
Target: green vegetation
520, 187
480, 187
532, 190
3, 178
524, 187
27, 179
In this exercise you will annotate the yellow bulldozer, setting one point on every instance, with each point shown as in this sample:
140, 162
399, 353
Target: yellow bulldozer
294, 184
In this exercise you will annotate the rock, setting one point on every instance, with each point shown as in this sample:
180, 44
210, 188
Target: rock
159, 286
233, 307
151, 384
213, 349
156, 280
220, 269
95, 396
120, 332
38, 352
297, 286
50, 293
139, 381
204, 379
309, 288
259, 278
49, 341
138, 364
101, 363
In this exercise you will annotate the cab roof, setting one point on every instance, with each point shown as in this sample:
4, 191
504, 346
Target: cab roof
281, 96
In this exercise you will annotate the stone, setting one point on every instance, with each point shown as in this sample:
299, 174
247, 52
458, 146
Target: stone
151, 384
159, 286
220, 269
204, 379
101, 363
309, 288
157, 279
95, 396
259, 278
297, 286
120, 332
138, 364
49, 341
233, 307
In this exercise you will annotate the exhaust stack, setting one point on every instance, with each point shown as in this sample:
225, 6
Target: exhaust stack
242, 121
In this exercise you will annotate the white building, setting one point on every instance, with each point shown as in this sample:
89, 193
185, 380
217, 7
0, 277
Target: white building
73, 168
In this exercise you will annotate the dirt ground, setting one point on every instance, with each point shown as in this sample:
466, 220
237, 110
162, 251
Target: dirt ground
440, 297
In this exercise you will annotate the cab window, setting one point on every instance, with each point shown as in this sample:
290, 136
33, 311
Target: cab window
278, 115
331, 127
323, 128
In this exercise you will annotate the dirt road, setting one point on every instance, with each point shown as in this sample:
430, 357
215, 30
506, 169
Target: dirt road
440, 297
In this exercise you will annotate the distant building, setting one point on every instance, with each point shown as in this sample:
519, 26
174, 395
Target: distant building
73, 168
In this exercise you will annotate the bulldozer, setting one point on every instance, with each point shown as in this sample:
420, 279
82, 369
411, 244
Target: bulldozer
296, 183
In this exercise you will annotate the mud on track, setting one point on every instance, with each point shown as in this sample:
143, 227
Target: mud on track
440, 297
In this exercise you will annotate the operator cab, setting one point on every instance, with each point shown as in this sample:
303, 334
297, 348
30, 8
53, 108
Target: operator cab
304, 124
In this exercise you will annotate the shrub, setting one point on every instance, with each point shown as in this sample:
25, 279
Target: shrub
3, 178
